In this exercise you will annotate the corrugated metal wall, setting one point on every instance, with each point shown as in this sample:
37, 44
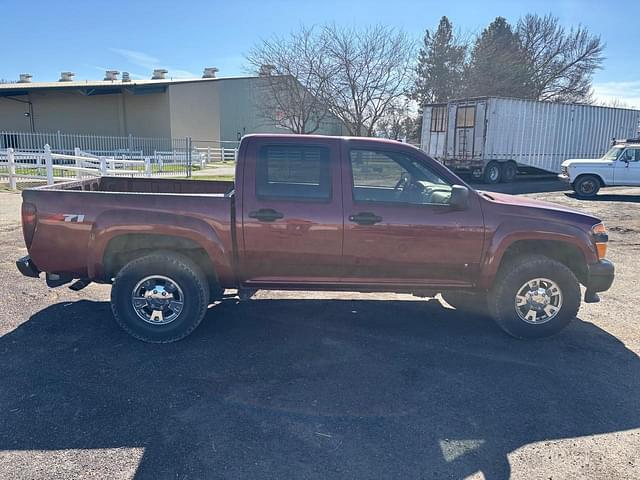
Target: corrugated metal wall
543, 134
537, 134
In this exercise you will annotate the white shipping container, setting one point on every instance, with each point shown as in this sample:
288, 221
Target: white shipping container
468, 134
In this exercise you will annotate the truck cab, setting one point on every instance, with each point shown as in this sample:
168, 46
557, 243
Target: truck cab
620, 166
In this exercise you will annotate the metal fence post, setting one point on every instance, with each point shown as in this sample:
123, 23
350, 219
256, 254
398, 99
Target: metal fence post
147, 166
189, 157
48, 163
222, 153
76, 153
103, 166
12, 168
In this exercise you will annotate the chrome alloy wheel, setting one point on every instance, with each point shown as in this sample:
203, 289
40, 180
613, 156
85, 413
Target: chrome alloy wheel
157, 300
538, 301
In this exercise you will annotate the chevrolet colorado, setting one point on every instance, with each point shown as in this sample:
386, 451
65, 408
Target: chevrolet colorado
314, 213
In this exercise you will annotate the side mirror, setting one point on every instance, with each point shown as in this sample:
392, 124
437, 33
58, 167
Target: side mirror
459, 198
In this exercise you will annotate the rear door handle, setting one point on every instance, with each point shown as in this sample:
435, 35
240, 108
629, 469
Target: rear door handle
365, 218
266, 215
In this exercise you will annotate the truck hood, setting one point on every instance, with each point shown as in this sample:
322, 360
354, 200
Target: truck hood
585, 161
540, 208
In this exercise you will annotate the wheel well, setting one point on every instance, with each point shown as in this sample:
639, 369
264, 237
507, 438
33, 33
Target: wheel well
125, 248
562, 252
602, 184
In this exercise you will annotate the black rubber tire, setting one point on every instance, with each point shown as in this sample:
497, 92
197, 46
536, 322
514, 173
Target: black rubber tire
181, 270
509, 172
471, 302
492, 173
513, 275
587, 186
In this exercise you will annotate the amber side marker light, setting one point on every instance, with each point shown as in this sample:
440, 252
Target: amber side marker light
599, 232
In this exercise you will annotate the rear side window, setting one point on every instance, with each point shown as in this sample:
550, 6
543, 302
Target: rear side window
293, 172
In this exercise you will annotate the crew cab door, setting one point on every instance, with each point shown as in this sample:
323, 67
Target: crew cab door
291, 211
399, 226
627, 167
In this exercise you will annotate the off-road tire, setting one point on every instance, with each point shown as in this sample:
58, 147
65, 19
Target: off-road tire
513, 275
470, 302
492, 173
509, 172
587, 186
184, 273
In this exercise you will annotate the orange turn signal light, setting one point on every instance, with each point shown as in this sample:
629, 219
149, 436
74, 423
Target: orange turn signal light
601, 248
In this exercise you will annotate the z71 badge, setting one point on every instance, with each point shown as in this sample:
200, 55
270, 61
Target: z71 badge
69, 217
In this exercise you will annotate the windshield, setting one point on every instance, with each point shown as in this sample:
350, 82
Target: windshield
613, 153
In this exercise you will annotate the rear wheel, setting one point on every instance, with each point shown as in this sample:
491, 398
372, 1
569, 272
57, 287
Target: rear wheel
534, 296
492, 173
160, 298
587, 186
509, 172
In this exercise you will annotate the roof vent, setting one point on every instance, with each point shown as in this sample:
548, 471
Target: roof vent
66, 76
210, 72
25, 78
266, 70
159, 74
126, 77
111, 75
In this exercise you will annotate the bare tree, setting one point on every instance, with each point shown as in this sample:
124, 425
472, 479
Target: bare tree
560, 62
398, 122
294, 80
369, 70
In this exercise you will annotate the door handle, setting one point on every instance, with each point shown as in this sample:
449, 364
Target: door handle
365, 218
266, 215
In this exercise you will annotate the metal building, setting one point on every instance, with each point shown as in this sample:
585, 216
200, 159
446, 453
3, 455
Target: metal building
482, 134
208, 109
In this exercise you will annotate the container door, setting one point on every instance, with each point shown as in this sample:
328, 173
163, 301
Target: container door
465, 132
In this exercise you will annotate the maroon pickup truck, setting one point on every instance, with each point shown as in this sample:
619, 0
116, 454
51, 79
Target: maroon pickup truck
314, 213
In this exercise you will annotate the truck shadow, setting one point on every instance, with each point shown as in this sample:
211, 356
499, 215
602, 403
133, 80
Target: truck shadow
608, 197
311, 389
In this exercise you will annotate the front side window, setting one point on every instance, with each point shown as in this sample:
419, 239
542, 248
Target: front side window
293, 172
631, 155
380, 176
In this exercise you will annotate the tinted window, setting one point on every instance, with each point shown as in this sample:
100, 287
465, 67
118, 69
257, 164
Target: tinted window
290, 171
380, 176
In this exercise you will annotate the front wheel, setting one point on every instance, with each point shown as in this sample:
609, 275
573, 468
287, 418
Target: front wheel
160, 298
534, 296
586, 186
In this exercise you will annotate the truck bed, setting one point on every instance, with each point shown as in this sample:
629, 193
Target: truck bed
146, 185
77, 220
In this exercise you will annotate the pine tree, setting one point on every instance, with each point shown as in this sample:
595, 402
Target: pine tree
440, 66
498, 64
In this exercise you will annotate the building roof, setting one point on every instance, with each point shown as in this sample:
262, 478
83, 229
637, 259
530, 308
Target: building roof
97, 87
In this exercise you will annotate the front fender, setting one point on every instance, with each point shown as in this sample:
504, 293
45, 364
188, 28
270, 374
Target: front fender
114, 223
506, 234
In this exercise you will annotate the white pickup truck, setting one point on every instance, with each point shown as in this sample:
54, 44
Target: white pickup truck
620, 166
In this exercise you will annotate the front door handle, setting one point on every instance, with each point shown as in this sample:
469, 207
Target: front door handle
266, 215
365, 218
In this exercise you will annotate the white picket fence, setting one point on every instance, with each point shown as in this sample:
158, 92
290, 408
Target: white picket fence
213, 155
51, 167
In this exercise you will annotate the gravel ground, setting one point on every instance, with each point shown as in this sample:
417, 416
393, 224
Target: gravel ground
312, 385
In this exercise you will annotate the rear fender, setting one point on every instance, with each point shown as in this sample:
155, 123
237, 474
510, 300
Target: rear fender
114, 223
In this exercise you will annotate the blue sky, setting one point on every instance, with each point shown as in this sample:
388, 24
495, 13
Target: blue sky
45, 37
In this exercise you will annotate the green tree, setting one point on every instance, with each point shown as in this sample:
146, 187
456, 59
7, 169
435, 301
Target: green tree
440, 67
498, 64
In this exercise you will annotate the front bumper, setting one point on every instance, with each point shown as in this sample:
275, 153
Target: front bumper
564, 178
600, 276
27, 267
